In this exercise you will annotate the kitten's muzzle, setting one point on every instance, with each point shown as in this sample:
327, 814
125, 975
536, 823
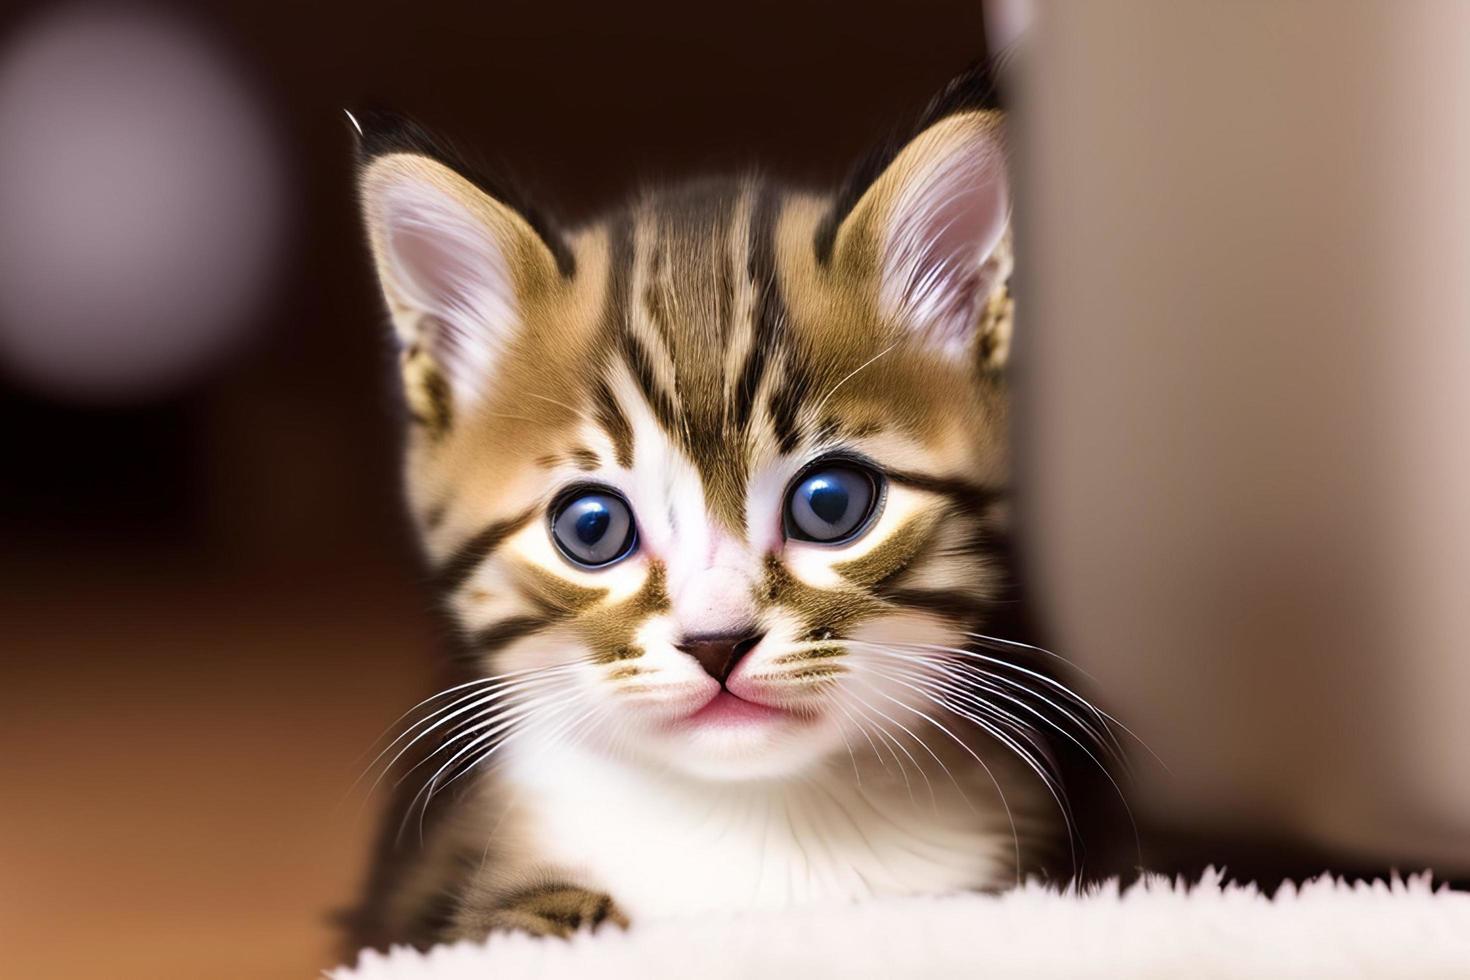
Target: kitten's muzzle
719, 653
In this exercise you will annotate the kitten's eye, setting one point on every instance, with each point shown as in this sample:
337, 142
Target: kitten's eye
593, 528
831, 503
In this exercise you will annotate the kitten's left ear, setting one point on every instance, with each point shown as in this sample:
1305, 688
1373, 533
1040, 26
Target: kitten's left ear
457, 265
931, 227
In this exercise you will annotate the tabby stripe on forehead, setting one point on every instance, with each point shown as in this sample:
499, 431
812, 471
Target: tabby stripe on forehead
636, 357
617, 322
615, 312
469, 556
620, 274
619, 430
655, 294
784, 405
724, 298
769, 312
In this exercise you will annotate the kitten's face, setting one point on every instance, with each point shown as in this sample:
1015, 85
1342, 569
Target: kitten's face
693, 475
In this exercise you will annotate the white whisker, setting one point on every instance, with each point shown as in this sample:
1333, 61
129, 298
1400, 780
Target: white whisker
1105, 719
1005, 805
888, 743
986, 681
816, 412
471, 702
861, 730
431, 786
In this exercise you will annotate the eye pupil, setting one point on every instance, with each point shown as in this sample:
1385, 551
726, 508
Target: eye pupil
593, 528
592, 525
828, 500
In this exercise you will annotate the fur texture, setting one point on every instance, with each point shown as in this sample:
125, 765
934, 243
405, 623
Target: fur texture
1157, 928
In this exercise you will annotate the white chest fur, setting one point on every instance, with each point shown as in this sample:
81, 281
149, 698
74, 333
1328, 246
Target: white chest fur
664, 845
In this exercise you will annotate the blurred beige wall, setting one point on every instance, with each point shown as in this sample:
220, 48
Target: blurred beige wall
1243, 413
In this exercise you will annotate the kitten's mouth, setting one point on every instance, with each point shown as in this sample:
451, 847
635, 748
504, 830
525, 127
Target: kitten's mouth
730, 710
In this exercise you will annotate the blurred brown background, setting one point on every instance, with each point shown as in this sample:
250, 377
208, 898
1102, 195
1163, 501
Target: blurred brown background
1242, 413
211, 607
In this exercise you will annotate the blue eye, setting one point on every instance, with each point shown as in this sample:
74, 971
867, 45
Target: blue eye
831, 503
594, 528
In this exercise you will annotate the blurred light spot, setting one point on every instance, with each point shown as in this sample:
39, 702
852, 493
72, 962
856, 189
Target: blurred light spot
141, 195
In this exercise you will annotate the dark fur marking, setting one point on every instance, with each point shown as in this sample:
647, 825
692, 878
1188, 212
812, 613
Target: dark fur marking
620, 271
502, 634
557, 909
655, 299
441, 412
785, 403
821, 612
642, 367
610, 630
960, 491
583, 458
468, 556
769, 311
889, 559
610, 416
962, 606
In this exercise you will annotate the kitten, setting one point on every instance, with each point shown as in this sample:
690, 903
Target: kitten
715, 491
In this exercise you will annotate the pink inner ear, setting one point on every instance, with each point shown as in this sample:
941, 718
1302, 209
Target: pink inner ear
446, 265
945, 225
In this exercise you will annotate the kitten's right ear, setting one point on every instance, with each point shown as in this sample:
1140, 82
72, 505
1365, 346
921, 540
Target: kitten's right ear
457, 267
925, 219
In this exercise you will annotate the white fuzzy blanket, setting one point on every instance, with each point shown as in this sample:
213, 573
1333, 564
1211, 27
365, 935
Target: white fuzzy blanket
1156, 928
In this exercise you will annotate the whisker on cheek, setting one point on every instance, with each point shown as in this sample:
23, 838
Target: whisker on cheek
569, 725
997, 723
959, 686
478, 682
486, 693
963, 681
478, 732
862, 730
1000, 792
893, 746
432, 786
501, 731
447, 692
1106, 722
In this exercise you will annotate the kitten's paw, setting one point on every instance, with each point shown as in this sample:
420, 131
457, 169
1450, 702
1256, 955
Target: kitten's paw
553, 910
